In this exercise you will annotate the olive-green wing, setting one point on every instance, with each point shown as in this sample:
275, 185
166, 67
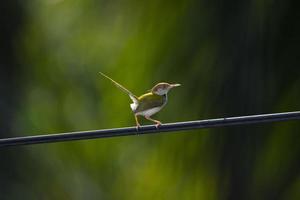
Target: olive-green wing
150, 100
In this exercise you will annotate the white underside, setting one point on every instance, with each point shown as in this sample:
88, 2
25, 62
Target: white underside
133, 106
149, 112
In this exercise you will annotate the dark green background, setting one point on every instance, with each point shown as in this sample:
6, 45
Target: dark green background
231, 57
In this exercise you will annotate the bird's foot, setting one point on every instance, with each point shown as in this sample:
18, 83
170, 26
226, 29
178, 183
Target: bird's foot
138, 126
158, 124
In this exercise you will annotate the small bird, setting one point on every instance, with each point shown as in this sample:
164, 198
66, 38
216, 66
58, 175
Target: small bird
147, 104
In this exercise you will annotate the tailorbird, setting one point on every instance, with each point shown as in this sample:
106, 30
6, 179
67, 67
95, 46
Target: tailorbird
147, 104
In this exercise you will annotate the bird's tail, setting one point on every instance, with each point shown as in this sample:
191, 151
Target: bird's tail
131, 95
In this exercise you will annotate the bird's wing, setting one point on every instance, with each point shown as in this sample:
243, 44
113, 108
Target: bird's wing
131, 95
150, 100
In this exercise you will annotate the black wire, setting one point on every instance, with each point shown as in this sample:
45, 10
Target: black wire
170, 127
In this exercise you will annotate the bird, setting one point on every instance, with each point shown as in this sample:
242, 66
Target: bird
147, 104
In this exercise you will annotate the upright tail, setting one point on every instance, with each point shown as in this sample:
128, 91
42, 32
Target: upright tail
131, 95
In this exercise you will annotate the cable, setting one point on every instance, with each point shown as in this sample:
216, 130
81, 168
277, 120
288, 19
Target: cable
169, 127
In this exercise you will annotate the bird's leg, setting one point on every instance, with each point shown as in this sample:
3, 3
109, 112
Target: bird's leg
158, 123
137, 122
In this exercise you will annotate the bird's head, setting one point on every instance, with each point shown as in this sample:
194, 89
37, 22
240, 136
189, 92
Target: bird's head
163, 88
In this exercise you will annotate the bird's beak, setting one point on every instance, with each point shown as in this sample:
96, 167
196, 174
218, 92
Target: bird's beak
175, 85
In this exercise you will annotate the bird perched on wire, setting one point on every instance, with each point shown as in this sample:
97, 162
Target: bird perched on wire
147, 104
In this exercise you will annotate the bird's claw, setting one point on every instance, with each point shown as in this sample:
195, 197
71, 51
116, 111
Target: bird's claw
138, 126
157, 125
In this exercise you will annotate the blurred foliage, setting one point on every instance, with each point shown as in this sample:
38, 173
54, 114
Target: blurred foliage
231, 57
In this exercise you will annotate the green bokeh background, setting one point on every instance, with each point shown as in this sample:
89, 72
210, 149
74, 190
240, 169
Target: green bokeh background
231, 57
